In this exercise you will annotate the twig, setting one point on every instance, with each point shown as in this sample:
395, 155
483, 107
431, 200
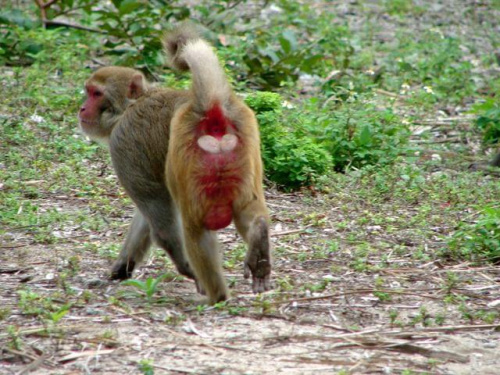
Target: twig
437, 141
286, 232
176, 369
13, 247
32, 366
19, 353
13, 270
73, 26
471, 327
35, 330
43, 9
361, 291
387, 93
275, 234
90, 353
413, 349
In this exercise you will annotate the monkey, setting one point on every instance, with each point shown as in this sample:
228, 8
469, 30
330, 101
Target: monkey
124, 111
189, 160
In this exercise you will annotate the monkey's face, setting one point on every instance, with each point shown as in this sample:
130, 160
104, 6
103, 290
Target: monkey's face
109, 91
90, 112
93, 113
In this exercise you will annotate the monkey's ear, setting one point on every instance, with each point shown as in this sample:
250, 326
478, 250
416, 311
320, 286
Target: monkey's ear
137, 87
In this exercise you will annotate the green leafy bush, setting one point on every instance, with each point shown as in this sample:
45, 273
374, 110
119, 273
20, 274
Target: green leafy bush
278, 54
479, 241
316, 140
15, 48
135, 28
290, 159
356, 133
273, 59
488, 120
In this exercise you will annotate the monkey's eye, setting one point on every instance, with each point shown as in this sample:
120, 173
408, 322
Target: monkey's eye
97, 94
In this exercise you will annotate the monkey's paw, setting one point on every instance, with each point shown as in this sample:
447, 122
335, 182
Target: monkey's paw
122, 270
261, 274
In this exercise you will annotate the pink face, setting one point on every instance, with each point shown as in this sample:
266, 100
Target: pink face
91, 110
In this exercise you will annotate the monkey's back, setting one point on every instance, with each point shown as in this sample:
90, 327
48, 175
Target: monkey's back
139, 143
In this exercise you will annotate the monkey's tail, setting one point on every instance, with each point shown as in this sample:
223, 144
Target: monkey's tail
188, 51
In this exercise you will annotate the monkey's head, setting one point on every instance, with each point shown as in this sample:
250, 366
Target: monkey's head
109, 91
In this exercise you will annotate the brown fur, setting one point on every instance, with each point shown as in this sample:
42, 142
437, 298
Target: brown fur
152, 135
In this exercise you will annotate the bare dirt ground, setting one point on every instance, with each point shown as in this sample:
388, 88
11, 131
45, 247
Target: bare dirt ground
346, 326
324, 316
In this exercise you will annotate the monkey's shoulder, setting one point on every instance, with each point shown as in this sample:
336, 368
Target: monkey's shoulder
162, 98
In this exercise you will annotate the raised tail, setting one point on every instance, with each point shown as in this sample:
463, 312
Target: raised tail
188, 51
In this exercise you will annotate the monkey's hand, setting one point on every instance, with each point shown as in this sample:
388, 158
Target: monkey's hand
260, 268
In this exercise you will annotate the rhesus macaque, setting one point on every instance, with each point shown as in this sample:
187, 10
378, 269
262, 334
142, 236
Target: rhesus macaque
190, 161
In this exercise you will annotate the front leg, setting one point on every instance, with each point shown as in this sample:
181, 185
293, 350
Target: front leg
252, 223
134, 249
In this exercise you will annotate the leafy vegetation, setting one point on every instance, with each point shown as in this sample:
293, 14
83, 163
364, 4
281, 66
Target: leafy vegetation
369, 117
291, 159
480, 240
488, 120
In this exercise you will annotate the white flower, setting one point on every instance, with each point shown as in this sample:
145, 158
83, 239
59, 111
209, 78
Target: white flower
436, 157
37, 119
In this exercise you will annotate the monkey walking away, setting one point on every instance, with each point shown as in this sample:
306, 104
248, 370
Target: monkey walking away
190, 161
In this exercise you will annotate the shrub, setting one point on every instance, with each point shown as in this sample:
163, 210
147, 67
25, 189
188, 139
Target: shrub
290, 159
356, 133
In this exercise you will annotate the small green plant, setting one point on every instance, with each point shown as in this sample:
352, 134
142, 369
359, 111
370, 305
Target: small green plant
146, 366
393, 315
273, 59
149, 287
479, 241
488, 120
263, 304
56, 316
381, 295
4, 313
200, 309
451, 282
16, 341
440, 319
174, 318
422, 317
236, 257
32, 303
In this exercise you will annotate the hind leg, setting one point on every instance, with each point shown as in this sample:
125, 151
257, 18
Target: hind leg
202, 249
252, 223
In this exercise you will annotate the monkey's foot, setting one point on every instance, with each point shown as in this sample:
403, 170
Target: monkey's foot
122, 270
199, 288
261, 275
